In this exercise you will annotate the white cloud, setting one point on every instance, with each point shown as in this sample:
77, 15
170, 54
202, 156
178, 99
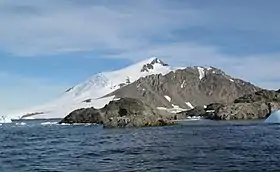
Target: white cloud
42, 27
262, 70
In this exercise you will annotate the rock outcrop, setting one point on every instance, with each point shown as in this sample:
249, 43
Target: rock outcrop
84, 115
258, 105
125, 112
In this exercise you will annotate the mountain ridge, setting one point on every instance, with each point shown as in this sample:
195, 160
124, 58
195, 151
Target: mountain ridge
187, 88
150, 80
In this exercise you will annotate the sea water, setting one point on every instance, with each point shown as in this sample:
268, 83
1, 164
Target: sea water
190, 146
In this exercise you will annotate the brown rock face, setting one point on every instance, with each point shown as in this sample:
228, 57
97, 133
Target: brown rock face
185, 85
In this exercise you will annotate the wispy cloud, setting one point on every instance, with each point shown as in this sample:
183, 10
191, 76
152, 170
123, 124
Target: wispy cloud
261, 69
135, 30
34, 28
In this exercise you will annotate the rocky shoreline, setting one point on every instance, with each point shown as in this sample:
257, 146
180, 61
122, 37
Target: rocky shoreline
125, 112
129, 112
258, 105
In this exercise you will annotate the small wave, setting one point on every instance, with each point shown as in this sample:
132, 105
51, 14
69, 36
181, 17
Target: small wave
194, 118
64, 124
79, 124
21, 123
49, 123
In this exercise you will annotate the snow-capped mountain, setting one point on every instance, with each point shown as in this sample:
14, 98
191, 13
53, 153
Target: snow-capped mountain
153, 81
90, 92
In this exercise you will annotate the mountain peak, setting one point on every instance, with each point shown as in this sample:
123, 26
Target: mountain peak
151, 64
155, 60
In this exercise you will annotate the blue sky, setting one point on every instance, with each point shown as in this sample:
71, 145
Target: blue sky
47, 46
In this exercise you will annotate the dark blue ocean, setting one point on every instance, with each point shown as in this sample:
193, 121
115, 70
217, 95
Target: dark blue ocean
190, 146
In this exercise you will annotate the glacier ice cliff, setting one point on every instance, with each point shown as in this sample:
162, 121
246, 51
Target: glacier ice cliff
274, 117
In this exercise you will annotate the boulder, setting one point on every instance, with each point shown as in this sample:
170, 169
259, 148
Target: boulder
125, 112
84, 115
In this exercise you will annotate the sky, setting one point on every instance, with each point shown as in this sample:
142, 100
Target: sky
47, 46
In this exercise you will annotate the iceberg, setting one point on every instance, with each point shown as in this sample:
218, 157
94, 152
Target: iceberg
273, 117
5, 119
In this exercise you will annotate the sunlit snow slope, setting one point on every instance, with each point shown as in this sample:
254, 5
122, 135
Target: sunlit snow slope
90, 92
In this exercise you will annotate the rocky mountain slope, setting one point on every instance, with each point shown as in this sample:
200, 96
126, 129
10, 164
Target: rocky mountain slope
152, 81
187, 88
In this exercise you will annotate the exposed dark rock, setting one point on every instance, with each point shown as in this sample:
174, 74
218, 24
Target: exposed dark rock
197, 111
31, 114
127, 80
85, 115
157, 60
239, 111
87, 101
147, 67
122, 85
69, 89
258, 105
126, 112
150, 66
260, 96
213, 106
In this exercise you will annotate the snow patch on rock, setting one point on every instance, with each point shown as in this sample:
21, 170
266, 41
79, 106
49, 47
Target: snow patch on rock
167, 98
183, 84
177, 109
189, 104
201, 72
174, 109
